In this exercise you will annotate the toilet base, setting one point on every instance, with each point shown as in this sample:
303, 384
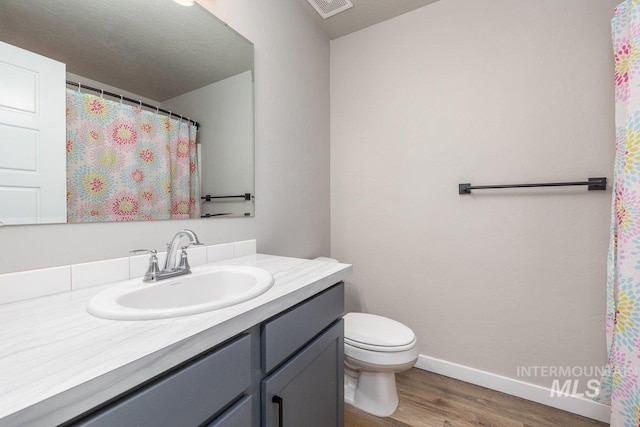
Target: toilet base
350, 384
372, 392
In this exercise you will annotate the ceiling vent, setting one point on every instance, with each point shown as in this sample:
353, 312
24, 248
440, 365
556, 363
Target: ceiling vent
327, 8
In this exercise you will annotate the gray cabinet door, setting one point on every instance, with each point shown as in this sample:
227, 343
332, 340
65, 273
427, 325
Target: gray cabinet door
308, 389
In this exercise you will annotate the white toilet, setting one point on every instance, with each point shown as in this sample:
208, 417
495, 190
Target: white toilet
375, 348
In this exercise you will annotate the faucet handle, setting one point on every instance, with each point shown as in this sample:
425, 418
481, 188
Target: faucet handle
184, 262
152, 270
143, 251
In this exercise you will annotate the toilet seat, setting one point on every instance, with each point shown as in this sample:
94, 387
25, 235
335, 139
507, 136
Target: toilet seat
380, 348
377, 333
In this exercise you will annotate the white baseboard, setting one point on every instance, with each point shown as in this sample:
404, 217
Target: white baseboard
533, 392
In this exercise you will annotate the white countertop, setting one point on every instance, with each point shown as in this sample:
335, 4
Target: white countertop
57, 361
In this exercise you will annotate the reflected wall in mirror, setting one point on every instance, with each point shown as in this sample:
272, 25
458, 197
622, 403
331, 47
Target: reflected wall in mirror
82, 152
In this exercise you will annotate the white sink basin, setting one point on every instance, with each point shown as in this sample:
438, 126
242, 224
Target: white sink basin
207, 288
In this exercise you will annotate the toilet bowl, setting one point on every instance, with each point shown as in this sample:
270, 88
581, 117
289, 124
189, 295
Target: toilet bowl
375, 349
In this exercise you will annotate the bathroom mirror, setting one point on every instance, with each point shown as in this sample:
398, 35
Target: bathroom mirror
156, 52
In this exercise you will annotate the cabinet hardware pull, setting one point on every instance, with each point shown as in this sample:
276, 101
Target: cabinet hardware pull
278, 400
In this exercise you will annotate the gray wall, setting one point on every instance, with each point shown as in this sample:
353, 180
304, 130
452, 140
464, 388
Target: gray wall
292, 124
292, 157
487, 92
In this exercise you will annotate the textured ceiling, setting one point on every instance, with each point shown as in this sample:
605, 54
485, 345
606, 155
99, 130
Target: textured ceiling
364, 13
154, 48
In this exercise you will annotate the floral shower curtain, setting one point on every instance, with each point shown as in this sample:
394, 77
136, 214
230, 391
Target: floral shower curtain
128, 164
620, 383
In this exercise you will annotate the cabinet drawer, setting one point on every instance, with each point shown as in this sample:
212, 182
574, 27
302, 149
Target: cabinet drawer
285, 334
186, 397
239, 415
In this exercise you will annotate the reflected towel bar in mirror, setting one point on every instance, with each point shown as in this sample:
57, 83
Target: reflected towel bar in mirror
210, 198
592, 183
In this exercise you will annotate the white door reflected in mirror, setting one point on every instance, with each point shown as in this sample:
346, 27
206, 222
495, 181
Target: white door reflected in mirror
32, 138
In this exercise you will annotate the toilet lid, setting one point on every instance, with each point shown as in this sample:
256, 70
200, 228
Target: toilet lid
370, 331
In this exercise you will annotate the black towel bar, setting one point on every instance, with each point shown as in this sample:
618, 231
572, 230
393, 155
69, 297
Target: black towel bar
209, 198
592, 183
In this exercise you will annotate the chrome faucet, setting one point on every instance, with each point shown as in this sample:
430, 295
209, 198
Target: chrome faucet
170, 269
172, 250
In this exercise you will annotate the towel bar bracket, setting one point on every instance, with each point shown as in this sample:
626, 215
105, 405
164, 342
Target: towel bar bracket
597, 184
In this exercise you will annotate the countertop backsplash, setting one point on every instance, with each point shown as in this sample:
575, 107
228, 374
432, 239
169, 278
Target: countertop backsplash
48, 281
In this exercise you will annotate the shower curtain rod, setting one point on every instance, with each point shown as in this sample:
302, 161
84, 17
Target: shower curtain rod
133, 101
592, 183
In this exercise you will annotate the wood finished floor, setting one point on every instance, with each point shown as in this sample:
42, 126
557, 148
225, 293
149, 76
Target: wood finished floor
431, 400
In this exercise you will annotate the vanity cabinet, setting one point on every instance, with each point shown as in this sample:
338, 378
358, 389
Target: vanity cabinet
308, 389
187, 397
304, 382
286, 371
